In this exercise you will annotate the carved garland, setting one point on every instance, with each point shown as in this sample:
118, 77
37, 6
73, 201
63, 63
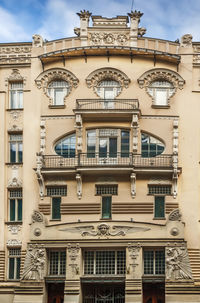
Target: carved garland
50, 75
107, 73
161, 74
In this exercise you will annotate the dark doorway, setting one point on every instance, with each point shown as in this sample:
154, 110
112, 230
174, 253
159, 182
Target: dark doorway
153, 293
55, 292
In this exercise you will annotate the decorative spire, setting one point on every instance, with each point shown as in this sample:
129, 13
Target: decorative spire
84, 14
135, 15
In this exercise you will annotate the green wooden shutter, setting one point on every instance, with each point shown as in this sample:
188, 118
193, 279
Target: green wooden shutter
56, 201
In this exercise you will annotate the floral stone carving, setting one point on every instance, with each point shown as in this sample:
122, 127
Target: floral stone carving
34, 263
175, 215
177, 264
37, 216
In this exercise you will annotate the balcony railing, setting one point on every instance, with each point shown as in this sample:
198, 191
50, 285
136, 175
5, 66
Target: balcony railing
107, 104
108, 159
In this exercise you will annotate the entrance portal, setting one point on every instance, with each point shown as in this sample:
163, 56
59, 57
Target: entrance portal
103, 293
153, 293
55, 292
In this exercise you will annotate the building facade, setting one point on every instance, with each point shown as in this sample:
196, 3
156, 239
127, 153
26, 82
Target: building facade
99, 167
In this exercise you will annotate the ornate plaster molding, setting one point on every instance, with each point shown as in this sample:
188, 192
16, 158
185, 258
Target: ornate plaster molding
37, 216
175, 215
79, 185
134, 249
177, 264
37, 41
14, 183
161, 74
42, 136
108, 38
133, 185
14, 243
14, 229
34, 263
15, 76
104, 230
39, 165
160, 181
107, 73
52, 74
73, 253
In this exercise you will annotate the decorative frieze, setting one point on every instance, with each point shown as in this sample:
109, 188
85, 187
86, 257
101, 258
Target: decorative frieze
15, 181
14, 243
34, 263
108, 38
177, 264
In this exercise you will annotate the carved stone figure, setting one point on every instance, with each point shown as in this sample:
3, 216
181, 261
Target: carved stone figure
186, 40
34, 263
39, 165
141, 31
15, 182
77, 31
177, 264
37, 40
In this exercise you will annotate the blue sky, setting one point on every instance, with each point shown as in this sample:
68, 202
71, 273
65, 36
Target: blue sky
54, 19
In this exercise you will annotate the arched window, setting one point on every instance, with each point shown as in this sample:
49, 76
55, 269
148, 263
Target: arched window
57, 90
151, 146
161, 91
66, 147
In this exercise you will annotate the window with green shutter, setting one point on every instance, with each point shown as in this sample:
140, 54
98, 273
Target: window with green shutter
106, 207
15, 204
159, 207
14, 256
56, 201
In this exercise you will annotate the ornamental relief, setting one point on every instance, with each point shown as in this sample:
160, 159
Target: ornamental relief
109, 38
177, 264
16, 50
54, 74
15, 76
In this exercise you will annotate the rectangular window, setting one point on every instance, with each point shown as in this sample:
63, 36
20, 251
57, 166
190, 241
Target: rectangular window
57, 263
56, 214
159, 207
106, 190
106, 207
124, 143
15, 205
56, 191
104, 262
154, 262
16, 95
159, 189
14, 259
16, 148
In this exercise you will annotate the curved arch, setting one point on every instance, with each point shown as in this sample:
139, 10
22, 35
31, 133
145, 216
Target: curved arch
161, 74
107, 73
43, 80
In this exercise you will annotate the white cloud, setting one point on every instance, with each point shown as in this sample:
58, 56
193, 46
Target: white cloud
10, 29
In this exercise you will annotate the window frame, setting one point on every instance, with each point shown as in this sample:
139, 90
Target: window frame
19, 91
149, 145
18, 143
69, 154
18, 210
59, 263
152, 90
16, 258
154, 250
103, 197
51, 92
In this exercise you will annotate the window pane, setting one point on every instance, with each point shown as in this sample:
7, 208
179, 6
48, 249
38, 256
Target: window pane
151, 146
89, 263
66, 147
56, 208
161, 97
159, 208
12, 210
12, 152
159, 262
19, 211
105, 262
148, 262
102, 147
54, 255
11, 268
62, 262
20, 152
91, 144
106, 207
18, 260
112, 147
124, 143
59, 96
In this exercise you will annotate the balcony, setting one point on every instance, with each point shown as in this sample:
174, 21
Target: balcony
109, 108
118, 161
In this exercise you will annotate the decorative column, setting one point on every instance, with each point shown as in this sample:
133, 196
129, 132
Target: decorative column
72, 283
134, 30
133, 283
84, 23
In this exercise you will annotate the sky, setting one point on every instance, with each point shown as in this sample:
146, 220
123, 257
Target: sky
56, 19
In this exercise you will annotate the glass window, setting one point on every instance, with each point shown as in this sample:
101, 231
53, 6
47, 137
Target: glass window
161, 91
151, 146
15, 205
56, 214
159, 207
16, 95
104, 262
57, 263
106, 207
125, 143
57, 90
66, 147
14, 260
16, 148
108, 90
154, 262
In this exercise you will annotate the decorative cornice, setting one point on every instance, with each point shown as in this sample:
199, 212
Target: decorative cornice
107, 73
161, 74
52, 74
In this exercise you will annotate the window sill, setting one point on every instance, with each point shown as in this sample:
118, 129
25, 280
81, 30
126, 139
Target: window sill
14, 222
106, 219
14, 163
159, 218
54, 220
14, 109
57, 106
160, 106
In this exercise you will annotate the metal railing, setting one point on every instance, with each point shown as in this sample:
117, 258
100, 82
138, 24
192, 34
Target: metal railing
107, 104
108, 159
